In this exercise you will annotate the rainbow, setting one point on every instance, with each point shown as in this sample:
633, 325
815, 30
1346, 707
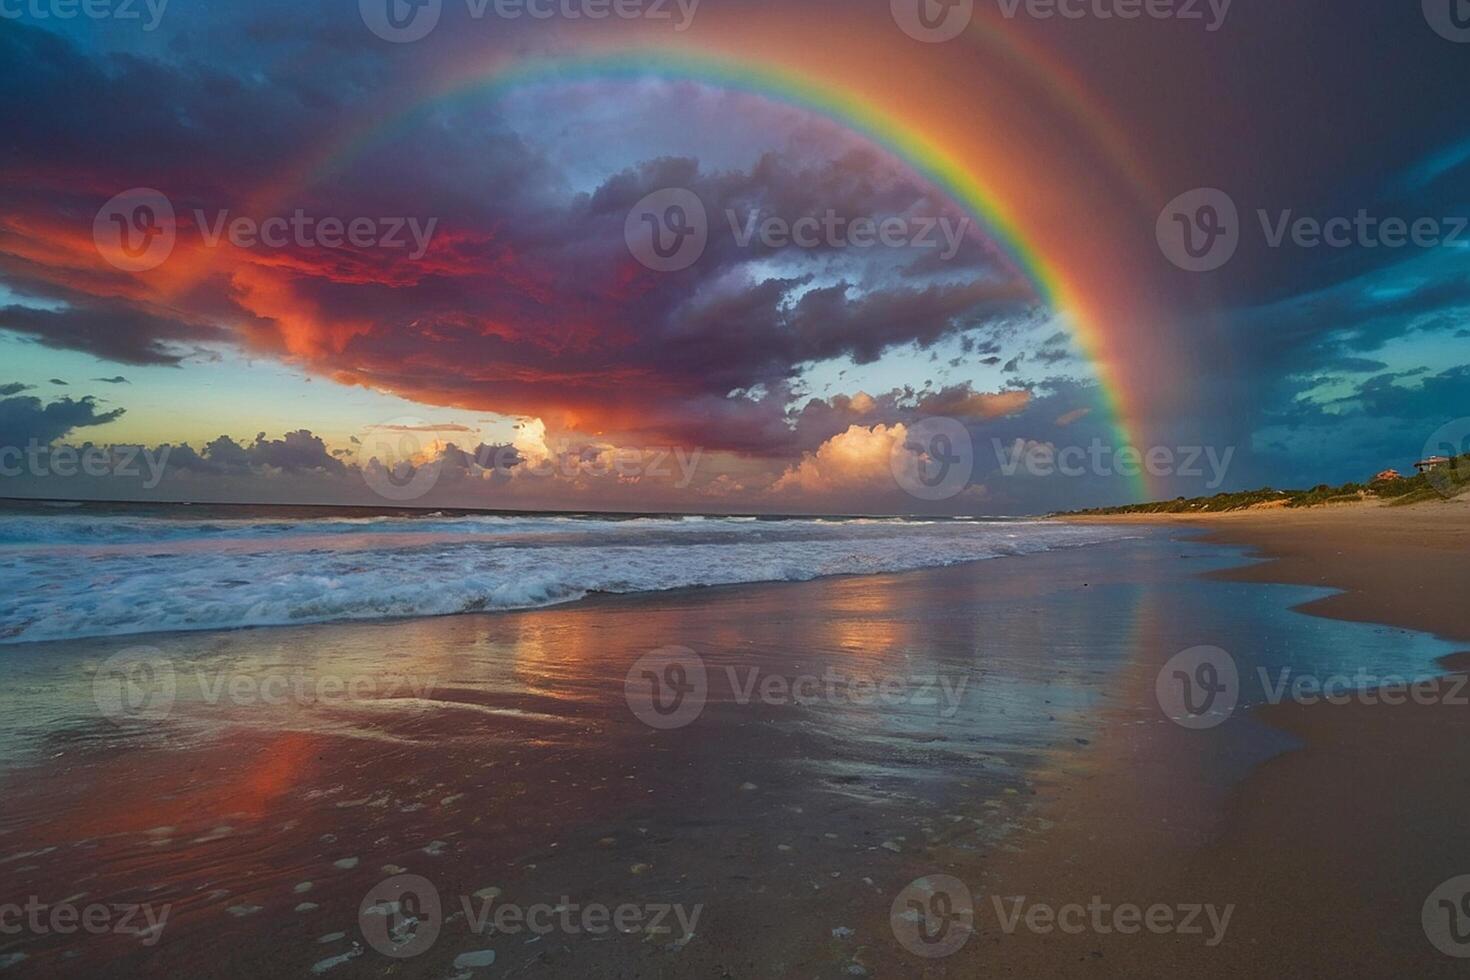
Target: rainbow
922, 151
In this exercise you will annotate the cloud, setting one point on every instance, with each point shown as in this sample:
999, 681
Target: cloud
962, 402
855, 460
528, 301
1352, 365
109, 329
294, 453
25, 418
118, 380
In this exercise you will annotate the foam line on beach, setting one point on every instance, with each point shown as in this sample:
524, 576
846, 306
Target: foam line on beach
122, 586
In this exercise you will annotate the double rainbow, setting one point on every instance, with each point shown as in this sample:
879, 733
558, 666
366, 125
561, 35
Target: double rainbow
1073, 265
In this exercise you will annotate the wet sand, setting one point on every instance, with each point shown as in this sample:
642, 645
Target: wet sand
521, 767
1403, 566
1328, 850
501, 752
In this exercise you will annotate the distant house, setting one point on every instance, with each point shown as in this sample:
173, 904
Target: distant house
1432, 463
1388, 475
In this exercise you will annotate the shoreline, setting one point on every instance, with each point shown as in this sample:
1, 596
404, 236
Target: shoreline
595, 597
521, 767
524, 767
1330, 848
1375, 556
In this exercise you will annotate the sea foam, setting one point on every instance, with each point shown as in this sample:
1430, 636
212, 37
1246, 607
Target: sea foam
67, 576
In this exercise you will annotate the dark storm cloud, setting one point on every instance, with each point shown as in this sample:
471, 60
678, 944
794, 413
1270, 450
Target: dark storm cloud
528, 300
24, 418
556, 310
110, 330
1429, 399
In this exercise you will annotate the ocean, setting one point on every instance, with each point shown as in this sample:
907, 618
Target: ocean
881, 701
90, 570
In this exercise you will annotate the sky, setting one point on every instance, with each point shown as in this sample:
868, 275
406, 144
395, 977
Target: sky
744, 256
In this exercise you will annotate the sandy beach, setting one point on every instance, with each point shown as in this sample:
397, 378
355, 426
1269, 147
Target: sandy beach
1329, 849
1402, 566
860, 743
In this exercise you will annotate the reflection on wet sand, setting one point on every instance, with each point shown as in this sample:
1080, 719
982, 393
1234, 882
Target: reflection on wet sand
498, 755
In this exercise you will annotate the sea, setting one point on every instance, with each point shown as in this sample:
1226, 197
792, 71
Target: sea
74, 570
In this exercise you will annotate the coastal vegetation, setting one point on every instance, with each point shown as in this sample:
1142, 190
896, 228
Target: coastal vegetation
1448, 480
